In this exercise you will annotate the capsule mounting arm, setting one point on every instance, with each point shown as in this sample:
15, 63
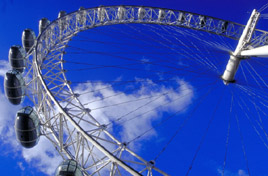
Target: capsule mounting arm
235, 58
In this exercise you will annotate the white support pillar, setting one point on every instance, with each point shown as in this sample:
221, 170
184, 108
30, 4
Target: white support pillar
235, 58
256, 52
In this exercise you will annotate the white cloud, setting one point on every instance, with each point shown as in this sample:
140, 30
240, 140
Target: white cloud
7, 118
239, 172
162, 98
45, 157
20, 164
242, 173
4, 67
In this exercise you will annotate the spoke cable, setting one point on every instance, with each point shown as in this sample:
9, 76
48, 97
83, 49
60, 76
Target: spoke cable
205, 133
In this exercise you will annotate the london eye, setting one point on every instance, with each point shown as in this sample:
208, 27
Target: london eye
116, 88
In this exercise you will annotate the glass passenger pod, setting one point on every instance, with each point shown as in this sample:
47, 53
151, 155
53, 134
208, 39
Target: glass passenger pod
81, 17
81, 8
101, 14
141, 13
222, 27
62, 21
202, 21
14, 86
69, 168
16, 57
27, 127
28, 39
121, 14
62, 14
161, 15
182, 18
43, 23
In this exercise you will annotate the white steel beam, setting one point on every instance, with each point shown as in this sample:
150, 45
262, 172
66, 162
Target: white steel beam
256, 52
235, 58
79, 129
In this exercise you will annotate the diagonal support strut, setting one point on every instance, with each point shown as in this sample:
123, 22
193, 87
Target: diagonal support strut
235, 58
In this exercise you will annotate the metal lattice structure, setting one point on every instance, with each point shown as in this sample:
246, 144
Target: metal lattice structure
69, 125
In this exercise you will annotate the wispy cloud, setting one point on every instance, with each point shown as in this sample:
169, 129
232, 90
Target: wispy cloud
239, 172
151, 96
4, 67
45, 157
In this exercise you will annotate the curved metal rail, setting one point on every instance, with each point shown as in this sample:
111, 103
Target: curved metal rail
80, 135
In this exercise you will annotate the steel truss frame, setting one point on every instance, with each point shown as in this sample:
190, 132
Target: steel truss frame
69, 126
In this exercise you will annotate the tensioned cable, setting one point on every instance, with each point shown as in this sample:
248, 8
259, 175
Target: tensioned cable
205, 133
228, 135
140, 115
262, 98
143, 40
114, 85
208, 62
117, 95
160, 123
251, 123
251, 73
165, 66
210, 45
258, 75
242, 142
256, 108
244, 74
160, 43
145, 70
171, 79
122, 81
143, 34
265, 16
260, 124
154, 39
87, 39
240, 132
265, 6
180, 128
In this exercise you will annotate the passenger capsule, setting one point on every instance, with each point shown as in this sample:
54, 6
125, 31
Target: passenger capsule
69, 168
27, 127
81, 8
141, 13
62, 22
121, 14
223, 26
62, 14
28, 39
14, 87
202, 21
16, 58
182, 18
161, 15
101, 14
43, 23
81, 17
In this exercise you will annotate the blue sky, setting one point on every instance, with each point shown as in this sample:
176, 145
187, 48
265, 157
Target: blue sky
16, 15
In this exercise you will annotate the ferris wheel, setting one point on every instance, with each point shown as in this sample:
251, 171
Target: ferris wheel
146, 81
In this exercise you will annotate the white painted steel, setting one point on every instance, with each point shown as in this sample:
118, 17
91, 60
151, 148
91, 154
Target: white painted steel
256, 52
49, 81
234, 61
